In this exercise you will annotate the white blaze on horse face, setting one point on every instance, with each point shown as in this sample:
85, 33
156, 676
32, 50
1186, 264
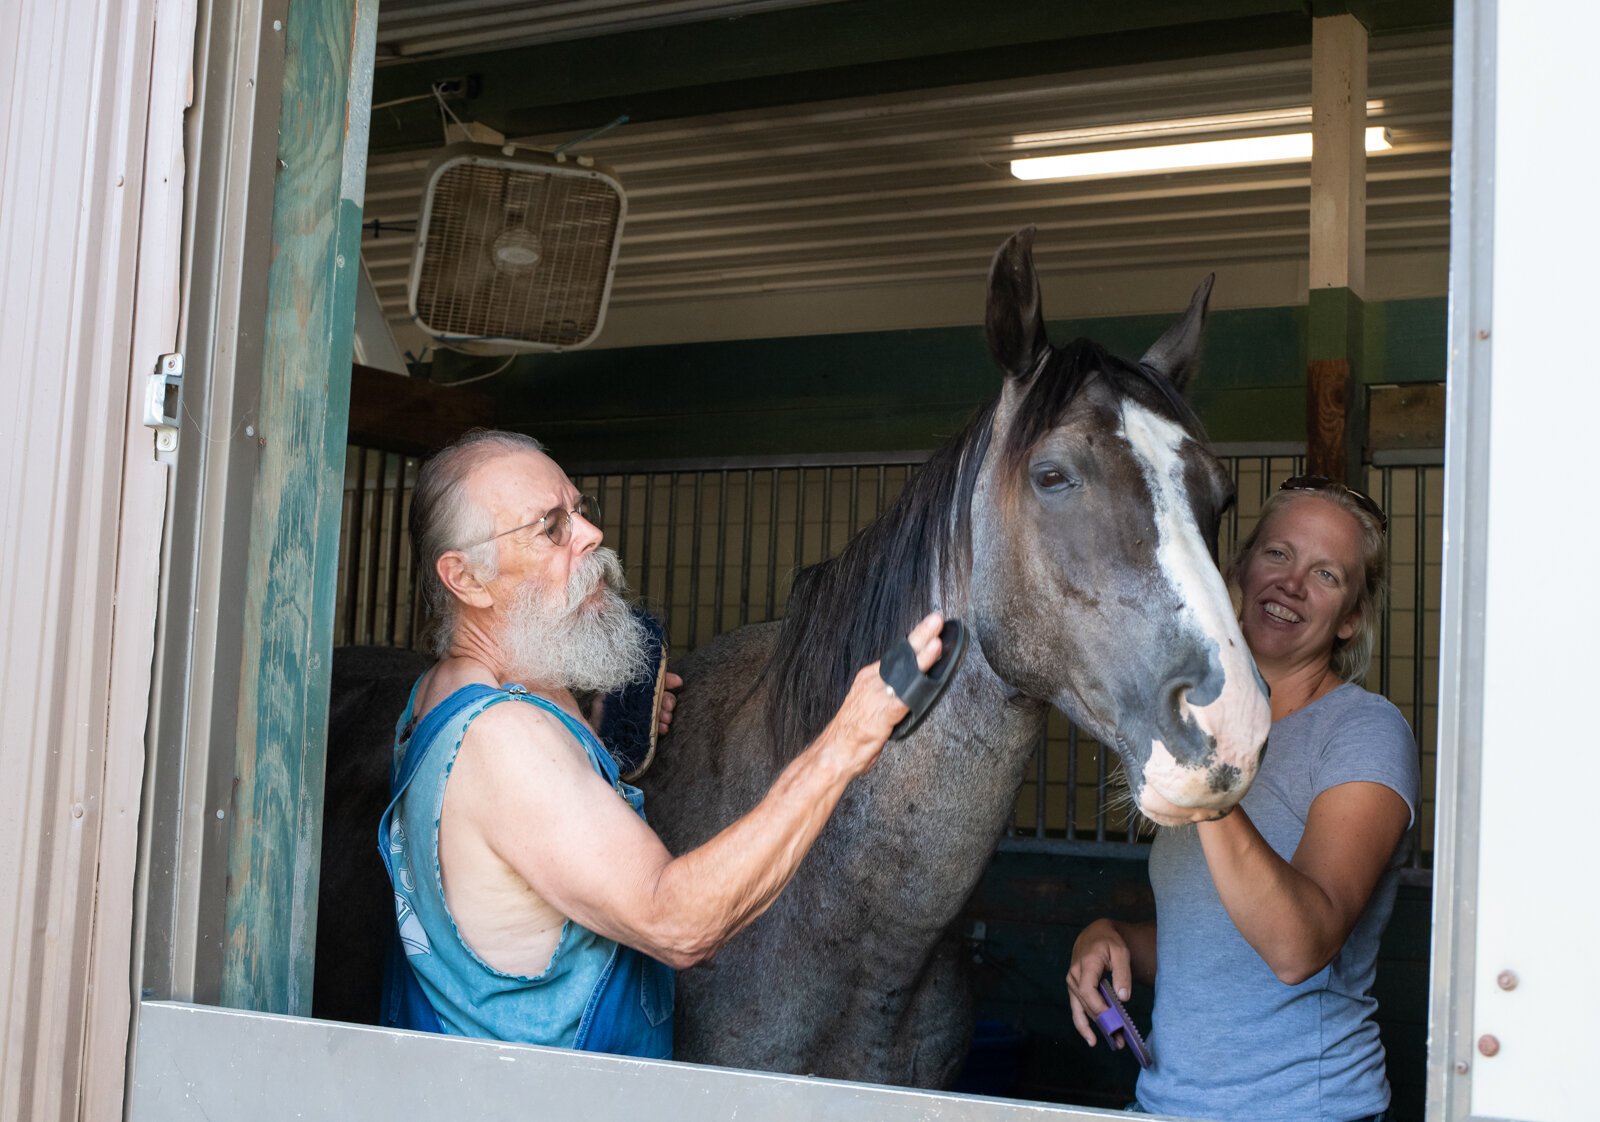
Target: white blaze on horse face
1238, 718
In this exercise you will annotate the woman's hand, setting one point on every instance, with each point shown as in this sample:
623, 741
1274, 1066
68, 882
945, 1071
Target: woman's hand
1126, 951
1098, 951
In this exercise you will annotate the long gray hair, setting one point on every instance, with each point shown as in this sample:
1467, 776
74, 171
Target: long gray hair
443, 517
1351, 657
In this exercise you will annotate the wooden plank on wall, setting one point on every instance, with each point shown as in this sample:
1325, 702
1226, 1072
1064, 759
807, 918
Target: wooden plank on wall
293, 557
409, 415
1405, 417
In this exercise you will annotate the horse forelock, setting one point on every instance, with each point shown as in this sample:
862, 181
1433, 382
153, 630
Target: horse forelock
1055, 384
844, 612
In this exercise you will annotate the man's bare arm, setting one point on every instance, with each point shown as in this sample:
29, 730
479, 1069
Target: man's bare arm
528, 790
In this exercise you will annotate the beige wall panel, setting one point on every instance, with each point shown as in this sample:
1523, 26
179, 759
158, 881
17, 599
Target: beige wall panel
90, 200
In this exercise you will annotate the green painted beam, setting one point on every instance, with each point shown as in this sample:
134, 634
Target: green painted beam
836, 50
1334, 325
1404, 341
276, 810
902, 390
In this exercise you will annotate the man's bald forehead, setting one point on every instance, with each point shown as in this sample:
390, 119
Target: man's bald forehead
500, 457
504, 475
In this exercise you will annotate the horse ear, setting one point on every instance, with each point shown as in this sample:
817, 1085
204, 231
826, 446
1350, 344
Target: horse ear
1013, 320
1176, 354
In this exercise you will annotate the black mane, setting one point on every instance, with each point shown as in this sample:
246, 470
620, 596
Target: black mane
844, 612
1063, 372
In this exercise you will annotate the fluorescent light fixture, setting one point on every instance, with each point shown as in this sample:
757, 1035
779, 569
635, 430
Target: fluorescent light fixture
1153, 132
1241, 151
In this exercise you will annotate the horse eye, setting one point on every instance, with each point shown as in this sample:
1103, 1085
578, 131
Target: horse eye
1051, 479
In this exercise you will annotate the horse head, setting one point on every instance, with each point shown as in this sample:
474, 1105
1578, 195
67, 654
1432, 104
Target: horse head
1093, 530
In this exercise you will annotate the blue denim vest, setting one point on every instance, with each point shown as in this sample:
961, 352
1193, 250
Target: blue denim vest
594, 994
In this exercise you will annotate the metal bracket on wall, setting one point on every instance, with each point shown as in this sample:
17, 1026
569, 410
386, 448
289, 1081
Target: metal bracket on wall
163, 392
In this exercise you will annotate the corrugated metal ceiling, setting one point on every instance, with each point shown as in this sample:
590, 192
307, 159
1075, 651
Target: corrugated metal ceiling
876, 193
416, 28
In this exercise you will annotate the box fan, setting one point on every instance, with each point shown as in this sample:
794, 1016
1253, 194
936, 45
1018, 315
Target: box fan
514, 253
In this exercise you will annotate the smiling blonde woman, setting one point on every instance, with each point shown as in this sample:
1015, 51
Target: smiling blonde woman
1265, 943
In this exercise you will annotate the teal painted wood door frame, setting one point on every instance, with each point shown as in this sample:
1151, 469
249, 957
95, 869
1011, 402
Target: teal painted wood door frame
293, 557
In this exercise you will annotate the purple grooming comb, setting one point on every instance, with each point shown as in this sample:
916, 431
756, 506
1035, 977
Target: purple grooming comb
1118, 1028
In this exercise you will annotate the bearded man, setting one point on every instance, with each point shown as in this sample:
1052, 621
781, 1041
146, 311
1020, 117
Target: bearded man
534, 904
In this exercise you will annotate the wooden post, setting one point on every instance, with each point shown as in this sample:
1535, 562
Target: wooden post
1338, 246
293, 556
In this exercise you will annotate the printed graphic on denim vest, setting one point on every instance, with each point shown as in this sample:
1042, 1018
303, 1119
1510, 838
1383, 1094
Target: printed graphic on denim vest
412, 936
397, 855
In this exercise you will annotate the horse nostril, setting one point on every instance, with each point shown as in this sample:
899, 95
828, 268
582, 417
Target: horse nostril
1178, 697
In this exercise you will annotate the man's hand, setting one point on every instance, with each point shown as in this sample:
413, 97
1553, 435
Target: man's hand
669, 701
871, 709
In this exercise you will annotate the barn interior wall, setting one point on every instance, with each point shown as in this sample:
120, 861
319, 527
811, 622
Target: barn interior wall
858, 396
902, 390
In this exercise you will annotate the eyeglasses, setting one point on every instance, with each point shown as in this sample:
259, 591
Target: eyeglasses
556, 523
1323, 483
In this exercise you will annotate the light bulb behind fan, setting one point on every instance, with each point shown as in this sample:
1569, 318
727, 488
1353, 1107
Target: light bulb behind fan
514, 253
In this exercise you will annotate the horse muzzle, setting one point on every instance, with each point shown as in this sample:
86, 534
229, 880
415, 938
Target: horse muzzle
1212, 758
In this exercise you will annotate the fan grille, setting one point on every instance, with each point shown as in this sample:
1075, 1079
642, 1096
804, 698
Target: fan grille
520, 253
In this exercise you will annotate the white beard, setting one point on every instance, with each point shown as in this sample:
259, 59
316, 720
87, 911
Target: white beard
576, 645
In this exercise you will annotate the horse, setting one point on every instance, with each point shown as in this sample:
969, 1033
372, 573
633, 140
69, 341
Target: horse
1072, 526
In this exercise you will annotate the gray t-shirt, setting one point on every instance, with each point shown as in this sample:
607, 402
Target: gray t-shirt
1231, 1041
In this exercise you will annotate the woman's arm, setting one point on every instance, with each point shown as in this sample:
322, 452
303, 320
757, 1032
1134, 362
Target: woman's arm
1297, 914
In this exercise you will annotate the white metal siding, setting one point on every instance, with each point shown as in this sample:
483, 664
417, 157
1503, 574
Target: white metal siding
90, 172
1539, 618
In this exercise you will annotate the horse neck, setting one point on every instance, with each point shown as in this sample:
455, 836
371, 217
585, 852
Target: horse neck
967, 759
915, 833
845, 612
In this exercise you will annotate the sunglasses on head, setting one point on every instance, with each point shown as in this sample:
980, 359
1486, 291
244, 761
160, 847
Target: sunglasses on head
1323, 483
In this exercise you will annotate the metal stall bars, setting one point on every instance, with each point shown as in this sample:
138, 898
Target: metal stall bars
377, 603
711, 545
714, 544
1410, 488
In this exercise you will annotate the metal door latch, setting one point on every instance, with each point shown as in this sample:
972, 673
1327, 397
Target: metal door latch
161, 401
